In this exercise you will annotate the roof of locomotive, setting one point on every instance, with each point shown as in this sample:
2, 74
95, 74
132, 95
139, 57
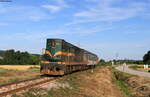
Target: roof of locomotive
55, 39
71, 44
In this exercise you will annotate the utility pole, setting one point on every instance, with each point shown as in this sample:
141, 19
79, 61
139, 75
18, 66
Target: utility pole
117, 55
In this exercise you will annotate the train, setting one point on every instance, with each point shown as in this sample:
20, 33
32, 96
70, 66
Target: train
61, 57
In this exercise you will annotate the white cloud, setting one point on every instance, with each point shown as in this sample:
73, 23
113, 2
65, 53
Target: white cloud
60, 4
55, 33
14, 13
91, 30
53, 8
3, 24
104, 10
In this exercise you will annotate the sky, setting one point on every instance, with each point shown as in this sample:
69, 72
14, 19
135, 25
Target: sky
112, 29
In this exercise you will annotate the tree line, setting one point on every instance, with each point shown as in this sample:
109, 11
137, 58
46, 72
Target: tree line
146, 60
12, 57
117, 62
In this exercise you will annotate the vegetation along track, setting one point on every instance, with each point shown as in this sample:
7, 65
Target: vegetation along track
10, 88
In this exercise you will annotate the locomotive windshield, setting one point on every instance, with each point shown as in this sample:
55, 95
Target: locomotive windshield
52, 48
53, 43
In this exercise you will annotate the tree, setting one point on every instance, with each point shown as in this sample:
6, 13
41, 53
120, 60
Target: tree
102, 60
146, 58
9, 57
21, 58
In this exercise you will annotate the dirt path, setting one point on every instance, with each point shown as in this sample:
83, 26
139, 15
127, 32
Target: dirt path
134, 72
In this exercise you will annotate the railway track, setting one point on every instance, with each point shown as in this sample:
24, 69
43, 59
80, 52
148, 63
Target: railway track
14, 87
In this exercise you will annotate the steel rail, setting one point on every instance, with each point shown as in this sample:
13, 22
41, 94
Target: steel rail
18, 82
9, 92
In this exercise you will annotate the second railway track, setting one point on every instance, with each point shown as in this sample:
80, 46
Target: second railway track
14, 87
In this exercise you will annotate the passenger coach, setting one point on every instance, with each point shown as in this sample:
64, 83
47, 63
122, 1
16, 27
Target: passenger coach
61, 57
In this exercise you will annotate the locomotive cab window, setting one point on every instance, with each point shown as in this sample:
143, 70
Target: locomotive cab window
53, 44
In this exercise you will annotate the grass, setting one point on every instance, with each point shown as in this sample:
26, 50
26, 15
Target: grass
34, 68
131, 85
124, 88
32, 93
12, 75
72, 91
18, 67
5, 71
75, 82
120, 78
135, 67
139, 68
78, 82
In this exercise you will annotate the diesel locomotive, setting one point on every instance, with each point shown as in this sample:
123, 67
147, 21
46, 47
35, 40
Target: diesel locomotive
61, 57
